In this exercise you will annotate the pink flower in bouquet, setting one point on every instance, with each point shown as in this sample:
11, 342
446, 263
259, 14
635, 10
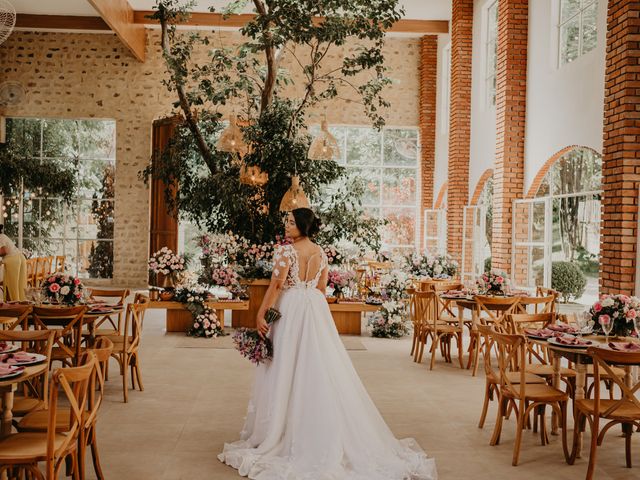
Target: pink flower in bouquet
76, 281
499, 279
51, 279
605, 319
597, 307
632, 313
54, 288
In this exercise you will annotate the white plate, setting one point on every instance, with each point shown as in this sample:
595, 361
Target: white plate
10, 348
12, 374
536, 337
39, 359
580, 347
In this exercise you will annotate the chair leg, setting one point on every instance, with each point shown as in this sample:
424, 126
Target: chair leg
519, 429
497, 430
564, 425
434, 350
95, 455
485, 405
594, 449
138, 375
125, 371
413, 344
627, 428
460, 353
476, 354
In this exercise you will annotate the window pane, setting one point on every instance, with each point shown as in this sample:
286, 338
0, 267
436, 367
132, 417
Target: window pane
401, 227
399, 186
569, 40
589, 28
400, 147
363, 146
97, 139
59, 139
568, 8
371, 177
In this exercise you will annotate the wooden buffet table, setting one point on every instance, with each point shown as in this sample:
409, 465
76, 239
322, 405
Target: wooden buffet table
348, 316
179, 319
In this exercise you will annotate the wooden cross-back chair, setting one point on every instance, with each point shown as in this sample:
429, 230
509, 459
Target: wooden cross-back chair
539, 304
66, 322
32, 264
445, 312
20, 453
32, 394
624, 411
38, 421
524, 397
118, 296
60, 263
492, 373
125, 347
18, 313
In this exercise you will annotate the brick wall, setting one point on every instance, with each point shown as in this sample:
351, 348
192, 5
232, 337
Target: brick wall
78, 75
459, 122
428, 78
511, 91
621, 153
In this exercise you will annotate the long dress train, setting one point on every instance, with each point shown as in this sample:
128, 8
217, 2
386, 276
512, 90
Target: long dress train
310, 417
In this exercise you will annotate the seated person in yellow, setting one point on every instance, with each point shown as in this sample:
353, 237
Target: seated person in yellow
15, 268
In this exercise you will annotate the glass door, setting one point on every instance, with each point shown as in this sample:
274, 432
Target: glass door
474, 242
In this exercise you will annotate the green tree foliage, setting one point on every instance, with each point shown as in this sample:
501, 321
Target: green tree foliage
101, 256
251, 80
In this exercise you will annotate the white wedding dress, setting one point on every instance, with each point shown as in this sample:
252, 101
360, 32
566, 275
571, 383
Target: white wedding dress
310, 417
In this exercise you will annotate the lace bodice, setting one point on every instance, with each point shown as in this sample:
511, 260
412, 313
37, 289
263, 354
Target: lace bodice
286, 266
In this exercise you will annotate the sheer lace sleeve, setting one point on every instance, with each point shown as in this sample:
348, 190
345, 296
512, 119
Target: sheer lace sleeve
282, 258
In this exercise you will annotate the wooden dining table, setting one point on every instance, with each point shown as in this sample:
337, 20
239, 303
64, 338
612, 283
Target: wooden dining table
7, 388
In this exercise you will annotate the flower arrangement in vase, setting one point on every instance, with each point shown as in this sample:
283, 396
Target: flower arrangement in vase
166, 262
621, 310
432, 266
391, 321
492, 283
339, 280
62, 288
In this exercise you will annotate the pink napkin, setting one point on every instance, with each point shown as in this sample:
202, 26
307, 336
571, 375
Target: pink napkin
562, 327
571, 340
9, 369
542, 332
624, 346
16, 357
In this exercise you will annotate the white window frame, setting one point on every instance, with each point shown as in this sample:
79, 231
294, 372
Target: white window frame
584, 4
489, 43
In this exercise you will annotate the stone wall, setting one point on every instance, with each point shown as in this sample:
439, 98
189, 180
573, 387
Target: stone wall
80, 75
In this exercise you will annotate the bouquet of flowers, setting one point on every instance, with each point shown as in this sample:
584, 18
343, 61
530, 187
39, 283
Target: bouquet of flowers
166, 262
619, 309
493, 282
206, 324
251, 345
340, 280
223, 277
256, 261
427, 266
220, 248
61, 288
333, 256
392, 321
394, 284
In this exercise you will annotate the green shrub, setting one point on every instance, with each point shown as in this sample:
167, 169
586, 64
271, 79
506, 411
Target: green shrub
487, 265
568, 279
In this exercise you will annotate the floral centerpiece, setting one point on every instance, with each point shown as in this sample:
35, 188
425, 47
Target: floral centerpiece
166, 262
492, 283
205, 321
619, 309
394, 284
339, 280
391, 321
62, 288
256, 261
334, 257
430, 266
223, 277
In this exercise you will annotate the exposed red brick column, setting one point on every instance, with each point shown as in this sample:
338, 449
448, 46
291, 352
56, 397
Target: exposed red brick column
428, 79
511, 99
459, 122
621, 152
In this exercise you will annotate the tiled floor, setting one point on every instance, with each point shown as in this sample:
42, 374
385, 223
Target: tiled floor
195, 399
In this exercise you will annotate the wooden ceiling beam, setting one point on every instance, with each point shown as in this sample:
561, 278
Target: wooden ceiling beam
119, 15
60, 22
206, 19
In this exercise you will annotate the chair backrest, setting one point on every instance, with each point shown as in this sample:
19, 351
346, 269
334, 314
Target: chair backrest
68, 319
425, 306
488, 347
19, 312
517, 322
511, 359
133, 326
48, 265
603, 362
31, 271
441, 285
495, 308
120, 294
60, 263
142, 299
539, 304
73, 383
102, 350
41, 265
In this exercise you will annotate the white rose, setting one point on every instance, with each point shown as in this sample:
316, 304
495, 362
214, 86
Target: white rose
65, 290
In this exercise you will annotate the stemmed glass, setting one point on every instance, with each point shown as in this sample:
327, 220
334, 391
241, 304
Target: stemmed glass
607, 325
582, 319
636, 326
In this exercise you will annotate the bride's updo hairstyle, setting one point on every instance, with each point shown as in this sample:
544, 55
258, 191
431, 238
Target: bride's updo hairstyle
306, 221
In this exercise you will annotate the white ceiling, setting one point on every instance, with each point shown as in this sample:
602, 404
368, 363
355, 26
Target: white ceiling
415, 9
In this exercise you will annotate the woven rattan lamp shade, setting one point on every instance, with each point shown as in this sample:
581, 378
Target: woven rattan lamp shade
231, 139
294, 197
253, 175
324, 146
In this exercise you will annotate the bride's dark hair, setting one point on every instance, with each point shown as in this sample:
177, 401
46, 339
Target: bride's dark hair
306, 221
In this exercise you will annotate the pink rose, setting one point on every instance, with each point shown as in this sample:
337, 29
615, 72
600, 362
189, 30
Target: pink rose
54, 288
499, 279
597, 307
631, 313
76, 281
51, 279
604, 319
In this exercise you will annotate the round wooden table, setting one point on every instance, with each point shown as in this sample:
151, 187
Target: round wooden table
8, 386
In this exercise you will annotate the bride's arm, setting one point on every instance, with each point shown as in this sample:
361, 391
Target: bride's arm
280, 270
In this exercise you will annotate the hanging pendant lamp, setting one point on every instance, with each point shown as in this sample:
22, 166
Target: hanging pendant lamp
253, 175
231, 139
325, 145
294, 197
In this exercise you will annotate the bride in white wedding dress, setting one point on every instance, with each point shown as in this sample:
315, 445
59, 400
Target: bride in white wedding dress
310, 417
